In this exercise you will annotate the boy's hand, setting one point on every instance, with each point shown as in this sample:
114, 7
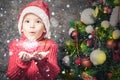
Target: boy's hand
24, 56
39, 55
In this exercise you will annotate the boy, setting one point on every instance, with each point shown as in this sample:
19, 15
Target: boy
33, 56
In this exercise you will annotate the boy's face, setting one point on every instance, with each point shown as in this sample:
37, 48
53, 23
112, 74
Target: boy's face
33, 27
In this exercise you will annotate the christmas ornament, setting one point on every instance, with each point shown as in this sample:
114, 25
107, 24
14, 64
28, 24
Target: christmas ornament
110, 43
114, 18
114, 45
74, 34
78, 61
89, 29
90, 36
71, 73
97, 57
86, 76
66, 60
63, 72
116, 34
71, 30
105, 24
86, 62
109, 75
87, 16
107, 10
89, 42
93, 33
96, 11
116, 55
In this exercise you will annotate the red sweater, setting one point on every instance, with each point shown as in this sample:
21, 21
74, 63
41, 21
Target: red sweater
45, 69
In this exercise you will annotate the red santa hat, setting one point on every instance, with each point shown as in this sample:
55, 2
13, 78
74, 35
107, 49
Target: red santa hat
38, 8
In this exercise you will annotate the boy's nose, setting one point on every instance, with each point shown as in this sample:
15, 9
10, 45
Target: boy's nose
32, 25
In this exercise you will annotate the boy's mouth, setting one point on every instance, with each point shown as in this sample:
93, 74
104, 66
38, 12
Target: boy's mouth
32, 32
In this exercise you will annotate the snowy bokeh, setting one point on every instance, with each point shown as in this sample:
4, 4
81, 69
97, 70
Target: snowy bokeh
62, 12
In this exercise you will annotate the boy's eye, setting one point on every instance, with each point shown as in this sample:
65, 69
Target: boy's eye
27, 21
38, 21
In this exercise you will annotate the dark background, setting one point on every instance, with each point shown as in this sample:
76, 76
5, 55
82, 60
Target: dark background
62, 12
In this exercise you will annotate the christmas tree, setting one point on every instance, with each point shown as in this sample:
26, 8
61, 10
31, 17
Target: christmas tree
93, 51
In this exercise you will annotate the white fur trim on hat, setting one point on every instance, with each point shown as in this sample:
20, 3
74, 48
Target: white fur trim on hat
40, 13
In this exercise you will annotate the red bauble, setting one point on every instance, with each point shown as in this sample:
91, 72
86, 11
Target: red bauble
89, 42
114, 44
107, 10
93, 34
86, 62
110, 75
110, 43
74, 34
116, 57
78, 61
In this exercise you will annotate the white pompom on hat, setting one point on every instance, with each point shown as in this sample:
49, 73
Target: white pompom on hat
38, 8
